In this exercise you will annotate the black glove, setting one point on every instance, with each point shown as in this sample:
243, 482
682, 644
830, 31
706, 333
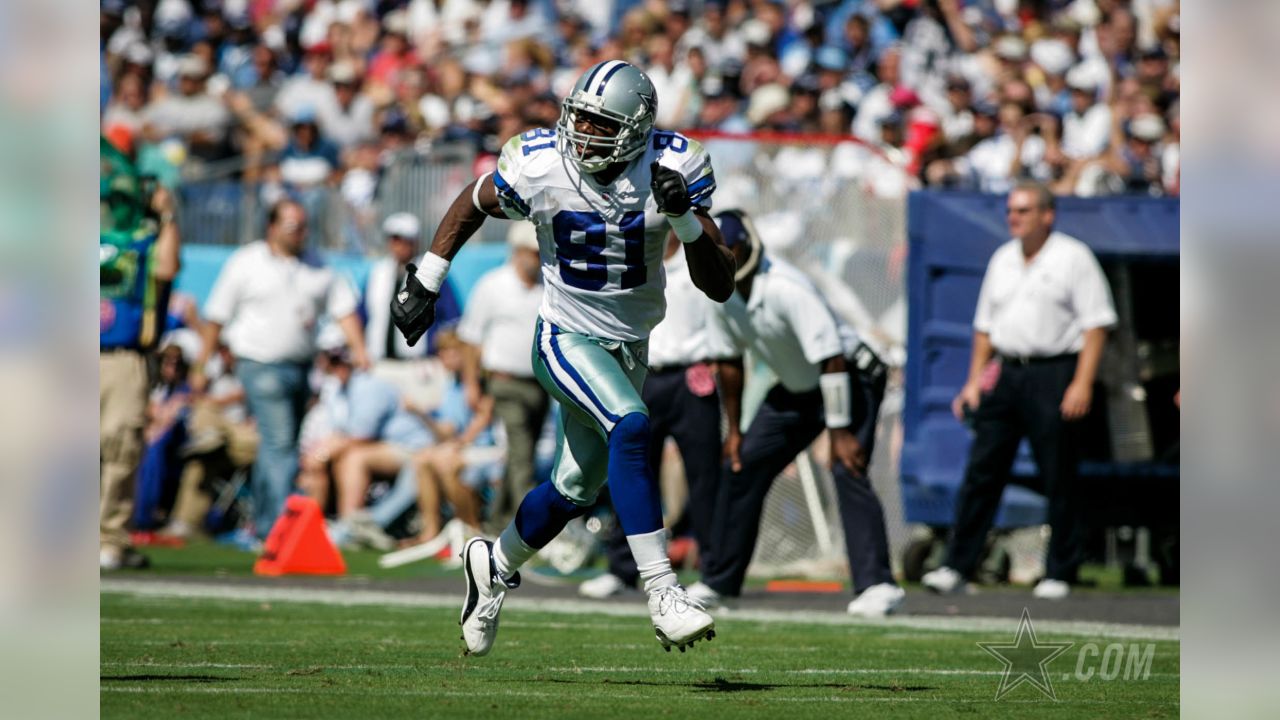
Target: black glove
669, 190
413, 309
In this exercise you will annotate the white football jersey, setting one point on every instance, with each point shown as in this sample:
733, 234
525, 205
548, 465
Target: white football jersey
601, 246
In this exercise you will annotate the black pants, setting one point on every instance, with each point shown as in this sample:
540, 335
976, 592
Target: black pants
694, 423
1025, 402
785, 425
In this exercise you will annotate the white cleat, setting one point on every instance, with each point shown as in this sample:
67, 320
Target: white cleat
604, 586
678, 618
1048, 589
944, 581
710, 599
877, 601
485, 592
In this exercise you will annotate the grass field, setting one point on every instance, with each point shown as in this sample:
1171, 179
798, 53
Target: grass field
166, 657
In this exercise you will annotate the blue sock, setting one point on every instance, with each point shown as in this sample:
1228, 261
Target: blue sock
543, 514
635, 493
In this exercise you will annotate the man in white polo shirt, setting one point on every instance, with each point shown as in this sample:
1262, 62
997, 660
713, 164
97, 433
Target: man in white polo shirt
498, 325
826, 378
270, 296
1043, 314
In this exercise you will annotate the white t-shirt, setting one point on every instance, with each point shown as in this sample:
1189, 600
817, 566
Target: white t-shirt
689, 333
500, 319
1042, 308
601, 247
788, 325
270, 305
1086, 135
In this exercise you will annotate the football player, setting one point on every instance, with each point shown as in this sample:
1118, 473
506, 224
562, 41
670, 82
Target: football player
603, 189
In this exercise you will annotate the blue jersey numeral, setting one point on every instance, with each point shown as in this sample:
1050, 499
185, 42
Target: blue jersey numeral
583, 265
670, 141
537, 134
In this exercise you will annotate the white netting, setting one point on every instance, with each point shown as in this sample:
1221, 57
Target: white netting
836, 210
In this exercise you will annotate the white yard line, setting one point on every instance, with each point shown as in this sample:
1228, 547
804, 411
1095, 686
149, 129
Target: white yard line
613, 694
360, 597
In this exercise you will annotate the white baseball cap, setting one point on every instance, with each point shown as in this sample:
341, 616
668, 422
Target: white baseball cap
523, 236
402, 224
1147, 126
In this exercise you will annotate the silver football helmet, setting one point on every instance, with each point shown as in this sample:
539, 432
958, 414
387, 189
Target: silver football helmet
620, 93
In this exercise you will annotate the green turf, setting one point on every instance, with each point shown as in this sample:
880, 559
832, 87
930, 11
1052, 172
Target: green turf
183, 658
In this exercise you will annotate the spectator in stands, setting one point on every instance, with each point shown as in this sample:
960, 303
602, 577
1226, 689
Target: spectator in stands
193, 116
270, 296
310, 89
371, 434
128, 105
395, 53
349, 120
1042, 318
877, 102
466, 460
1086, 128
267, 79
498, 329
1017, 150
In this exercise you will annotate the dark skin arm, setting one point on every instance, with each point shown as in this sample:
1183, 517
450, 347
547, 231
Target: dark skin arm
845, 448
731, 381
462, 220
711, 264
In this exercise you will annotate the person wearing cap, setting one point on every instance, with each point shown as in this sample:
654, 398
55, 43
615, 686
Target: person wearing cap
498, 327
1086, 129
1135, 157
191, 115
372, 434
349, 119
394, 360
680, 392
309, 159
1042, 317
827, 378
270, 296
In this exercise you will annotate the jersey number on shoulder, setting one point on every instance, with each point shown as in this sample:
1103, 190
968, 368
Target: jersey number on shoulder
583, 264
534, 135
669, 141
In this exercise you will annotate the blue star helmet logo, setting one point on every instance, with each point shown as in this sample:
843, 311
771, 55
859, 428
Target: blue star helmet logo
650, 101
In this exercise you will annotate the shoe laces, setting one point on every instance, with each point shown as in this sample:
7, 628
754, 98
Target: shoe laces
677, 600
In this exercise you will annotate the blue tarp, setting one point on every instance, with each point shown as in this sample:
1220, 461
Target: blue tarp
951, 237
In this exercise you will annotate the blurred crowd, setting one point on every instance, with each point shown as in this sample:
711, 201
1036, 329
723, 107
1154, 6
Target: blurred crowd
974, 94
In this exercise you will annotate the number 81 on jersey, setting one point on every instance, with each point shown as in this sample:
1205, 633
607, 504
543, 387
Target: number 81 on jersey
582, 243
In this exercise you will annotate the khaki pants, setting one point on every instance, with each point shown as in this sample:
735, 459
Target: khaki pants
122, 395
521, 404
230, 446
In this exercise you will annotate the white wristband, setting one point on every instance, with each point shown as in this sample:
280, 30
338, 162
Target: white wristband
431, 272
837, 399
475, 192
687, 227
